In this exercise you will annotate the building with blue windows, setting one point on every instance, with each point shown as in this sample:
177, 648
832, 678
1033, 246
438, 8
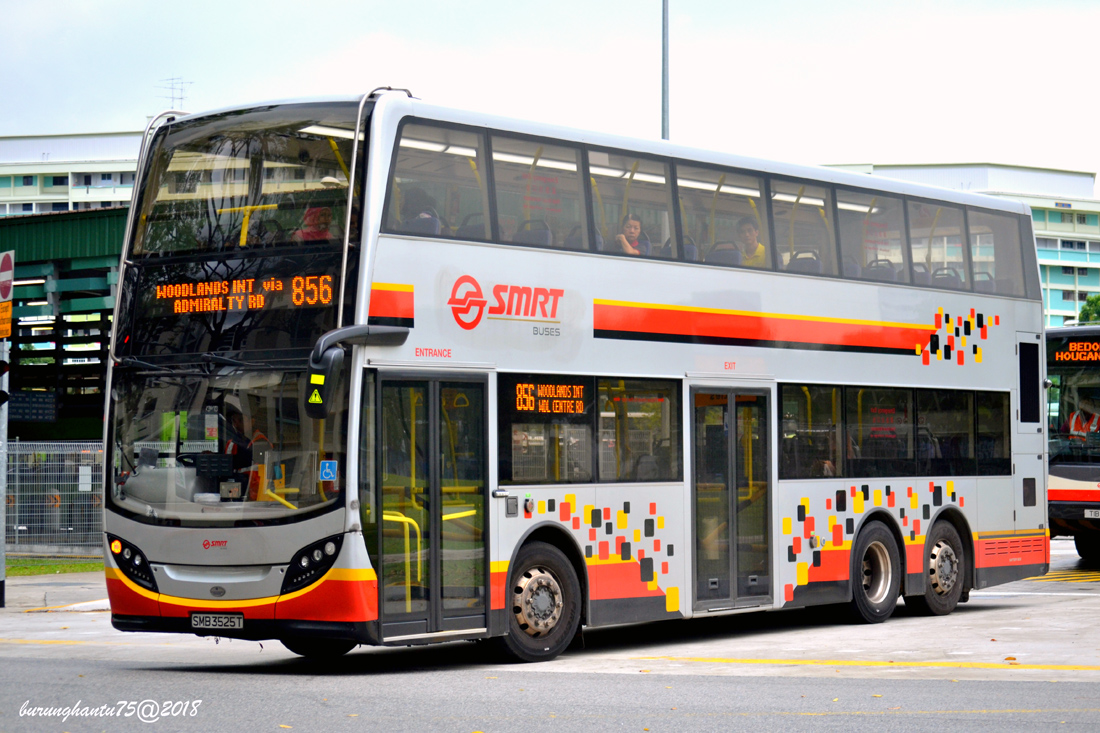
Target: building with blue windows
1064, 212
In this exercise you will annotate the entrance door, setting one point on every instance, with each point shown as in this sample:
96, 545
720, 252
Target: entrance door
732, 491
432, 479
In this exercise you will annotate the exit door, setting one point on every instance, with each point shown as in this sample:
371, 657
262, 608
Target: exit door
732, 496
432, 484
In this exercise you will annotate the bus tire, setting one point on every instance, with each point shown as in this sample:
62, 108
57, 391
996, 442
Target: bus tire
544, 599
945, 571
876, 574
1088, 547
318, 648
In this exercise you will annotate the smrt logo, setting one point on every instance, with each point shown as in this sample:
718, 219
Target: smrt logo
510, 302
208, 544
466, 296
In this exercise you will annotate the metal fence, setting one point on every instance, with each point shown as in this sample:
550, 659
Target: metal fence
54, 502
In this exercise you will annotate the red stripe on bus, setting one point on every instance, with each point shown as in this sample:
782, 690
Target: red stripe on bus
835, 565
1073, 495
391, 304
1008, 552
333, 600
618, 580
670, 321
497, 586
125, 602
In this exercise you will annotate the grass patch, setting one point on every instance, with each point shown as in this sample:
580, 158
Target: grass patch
21, 566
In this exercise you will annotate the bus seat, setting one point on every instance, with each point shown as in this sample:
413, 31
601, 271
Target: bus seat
574, 240
921, 276
983, 282
534, 231
946, 277
805, 261
852, 268
691, 253
472, 227
725, 256
646, 469
882, 270
425, 223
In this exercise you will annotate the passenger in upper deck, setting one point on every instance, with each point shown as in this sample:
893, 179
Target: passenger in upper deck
316, 222
753, 253
631, 230
419, 212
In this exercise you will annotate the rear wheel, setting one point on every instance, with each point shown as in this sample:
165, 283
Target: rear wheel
876, 574
1088, 547
544, 599
318, 648
944, 569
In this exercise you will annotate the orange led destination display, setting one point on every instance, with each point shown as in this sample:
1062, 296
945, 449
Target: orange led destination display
300, 291
550, 399
1079, 351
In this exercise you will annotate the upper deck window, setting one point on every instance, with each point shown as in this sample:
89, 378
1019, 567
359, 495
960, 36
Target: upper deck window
995, 252
439, 185
539, 196
804, 235
725, 217
936, 239
633, 205
872, 236
278, 176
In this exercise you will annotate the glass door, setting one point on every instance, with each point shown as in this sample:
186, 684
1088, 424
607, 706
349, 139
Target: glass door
731, 495
432, 466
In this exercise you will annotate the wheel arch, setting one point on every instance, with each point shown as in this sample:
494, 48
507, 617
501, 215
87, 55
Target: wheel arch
883, 517
555, 536
956, 518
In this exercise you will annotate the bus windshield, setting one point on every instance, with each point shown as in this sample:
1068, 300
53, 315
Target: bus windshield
238, 241
1073, 367
225, 448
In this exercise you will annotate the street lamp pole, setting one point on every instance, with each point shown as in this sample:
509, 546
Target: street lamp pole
664, 70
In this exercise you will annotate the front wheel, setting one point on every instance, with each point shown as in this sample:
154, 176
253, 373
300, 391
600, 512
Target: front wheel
876, 574
318, 648
544, 599
945, 567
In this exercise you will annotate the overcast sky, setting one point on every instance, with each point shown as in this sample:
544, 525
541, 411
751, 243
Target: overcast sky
845, 81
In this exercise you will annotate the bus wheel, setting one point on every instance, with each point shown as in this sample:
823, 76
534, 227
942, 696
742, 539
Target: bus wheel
318, 648
1088, 547
545, 604
877, 574
945, 569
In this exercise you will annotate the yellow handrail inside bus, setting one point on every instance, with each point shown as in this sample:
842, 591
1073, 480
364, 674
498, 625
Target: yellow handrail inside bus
629, 183
866, 220
339, 158
794, 209
405, 522
247, 216
530, 180
599, 207
714, 208
755, 212
809, 413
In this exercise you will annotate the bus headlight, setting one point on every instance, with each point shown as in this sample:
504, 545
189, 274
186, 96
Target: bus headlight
311, 562
131, 561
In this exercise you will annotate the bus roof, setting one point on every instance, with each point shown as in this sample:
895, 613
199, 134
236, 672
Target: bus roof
398, 103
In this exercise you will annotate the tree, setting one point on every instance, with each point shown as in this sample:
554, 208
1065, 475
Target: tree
1090, 311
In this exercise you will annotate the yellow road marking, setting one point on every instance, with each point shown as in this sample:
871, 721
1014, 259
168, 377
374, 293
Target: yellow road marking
874, 663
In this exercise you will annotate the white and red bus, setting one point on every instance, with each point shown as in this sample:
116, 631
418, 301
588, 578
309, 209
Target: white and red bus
1073, 367
387, 373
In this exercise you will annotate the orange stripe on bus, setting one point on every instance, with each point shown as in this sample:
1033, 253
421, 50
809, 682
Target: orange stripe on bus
391, 303
1073, 495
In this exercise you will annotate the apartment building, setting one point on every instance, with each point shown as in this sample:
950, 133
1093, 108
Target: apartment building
46, 173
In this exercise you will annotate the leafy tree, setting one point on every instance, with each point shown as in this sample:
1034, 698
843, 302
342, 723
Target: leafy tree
1090, 311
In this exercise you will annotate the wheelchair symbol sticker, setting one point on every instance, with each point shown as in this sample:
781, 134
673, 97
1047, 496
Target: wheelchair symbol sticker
328, 470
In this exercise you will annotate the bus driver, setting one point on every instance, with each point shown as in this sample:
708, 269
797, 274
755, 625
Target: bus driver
1084, 420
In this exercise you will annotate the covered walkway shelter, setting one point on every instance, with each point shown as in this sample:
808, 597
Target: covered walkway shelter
66, 278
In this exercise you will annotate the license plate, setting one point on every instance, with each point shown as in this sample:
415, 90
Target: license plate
217, 621
1092, 514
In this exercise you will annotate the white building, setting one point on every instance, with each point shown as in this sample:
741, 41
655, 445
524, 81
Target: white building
1064, 213
44, 173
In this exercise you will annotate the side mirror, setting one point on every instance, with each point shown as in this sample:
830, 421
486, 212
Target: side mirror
323, 374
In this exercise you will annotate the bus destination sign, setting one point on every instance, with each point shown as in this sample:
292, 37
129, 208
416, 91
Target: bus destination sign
1078, 351
308, 291
550, 399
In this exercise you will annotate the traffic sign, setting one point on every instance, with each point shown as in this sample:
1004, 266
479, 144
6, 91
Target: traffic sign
7, 275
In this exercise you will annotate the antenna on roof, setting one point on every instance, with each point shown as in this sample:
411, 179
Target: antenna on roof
177, 91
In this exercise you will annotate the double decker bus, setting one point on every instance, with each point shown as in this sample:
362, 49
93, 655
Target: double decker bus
1073, 368
388, 373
